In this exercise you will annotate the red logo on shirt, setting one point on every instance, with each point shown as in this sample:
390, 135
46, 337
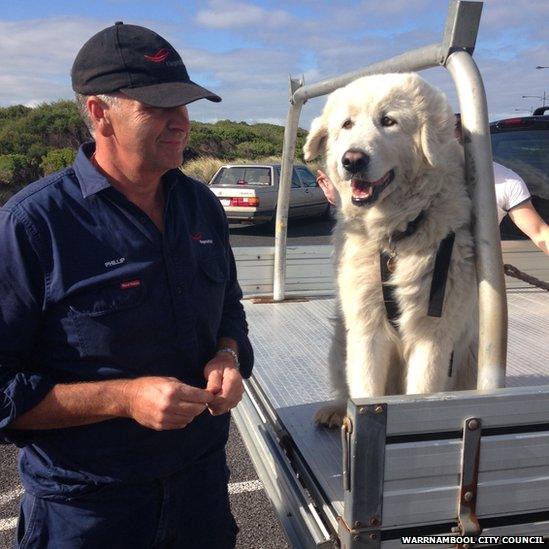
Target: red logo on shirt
197, 236
159, 57
130, 284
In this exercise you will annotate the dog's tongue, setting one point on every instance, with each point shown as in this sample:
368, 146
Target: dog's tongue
361, 189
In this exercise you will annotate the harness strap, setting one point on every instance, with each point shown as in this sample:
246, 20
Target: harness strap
440, 275
438, 284
391, 305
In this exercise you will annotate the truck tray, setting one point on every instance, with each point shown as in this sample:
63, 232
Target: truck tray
291, 342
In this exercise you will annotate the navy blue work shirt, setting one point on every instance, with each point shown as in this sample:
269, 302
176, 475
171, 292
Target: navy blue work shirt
91, 290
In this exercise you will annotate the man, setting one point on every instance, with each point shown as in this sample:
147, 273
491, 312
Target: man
123, 341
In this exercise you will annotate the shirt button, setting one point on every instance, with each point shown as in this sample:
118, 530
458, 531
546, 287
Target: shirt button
179, 290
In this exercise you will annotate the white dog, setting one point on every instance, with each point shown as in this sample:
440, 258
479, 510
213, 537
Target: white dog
403, 208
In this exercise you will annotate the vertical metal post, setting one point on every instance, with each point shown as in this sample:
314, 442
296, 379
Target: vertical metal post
364, 455
480, 173
284, 189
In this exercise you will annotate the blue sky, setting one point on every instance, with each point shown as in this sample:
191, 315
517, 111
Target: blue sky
245, 49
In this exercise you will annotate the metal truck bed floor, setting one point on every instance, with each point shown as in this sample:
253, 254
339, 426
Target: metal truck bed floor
291, 342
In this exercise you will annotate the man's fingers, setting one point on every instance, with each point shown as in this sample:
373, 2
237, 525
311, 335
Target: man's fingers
186, 409
194, 394
215, 382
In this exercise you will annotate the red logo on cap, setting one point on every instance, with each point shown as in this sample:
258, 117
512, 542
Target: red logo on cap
159, 57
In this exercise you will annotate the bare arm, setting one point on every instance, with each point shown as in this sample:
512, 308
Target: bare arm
156, 402
527, 219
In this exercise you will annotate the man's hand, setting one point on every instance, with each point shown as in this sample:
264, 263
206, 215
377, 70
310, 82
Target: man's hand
225, 382
163, 403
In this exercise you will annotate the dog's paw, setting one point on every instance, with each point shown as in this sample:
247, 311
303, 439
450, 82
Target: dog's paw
330, 416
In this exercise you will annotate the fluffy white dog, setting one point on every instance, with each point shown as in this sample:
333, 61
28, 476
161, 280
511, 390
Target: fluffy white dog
407, 295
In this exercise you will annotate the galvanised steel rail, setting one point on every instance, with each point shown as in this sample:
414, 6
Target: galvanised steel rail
454, 53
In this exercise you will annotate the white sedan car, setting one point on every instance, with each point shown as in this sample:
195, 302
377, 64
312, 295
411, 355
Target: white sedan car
249, 193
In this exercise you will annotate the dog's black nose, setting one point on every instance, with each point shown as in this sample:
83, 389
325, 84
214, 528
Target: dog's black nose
355, 160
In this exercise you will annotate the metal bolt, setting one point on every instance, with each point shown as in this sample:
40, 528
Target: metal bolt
378, 409
356, 538
468, 496
374, 521
358, 524
372, 536
362, 410
472, 424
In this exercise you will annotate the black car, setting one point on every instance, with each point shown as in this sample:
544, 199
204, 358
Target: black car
522, 144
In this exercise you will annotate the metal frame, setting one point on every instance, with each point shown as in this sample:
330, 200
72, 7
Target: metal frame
453, 53
363, 444
297, 513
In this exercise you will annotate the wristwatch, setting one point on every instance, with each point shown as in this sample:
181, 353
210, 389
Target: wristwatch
233, 354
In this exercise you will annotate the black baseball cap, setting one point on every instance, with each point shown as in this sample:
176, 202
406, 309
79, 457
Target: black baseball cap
138, 62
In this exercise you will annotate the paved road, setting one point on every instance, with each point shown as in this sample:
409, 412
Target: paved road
300, 233
259, 527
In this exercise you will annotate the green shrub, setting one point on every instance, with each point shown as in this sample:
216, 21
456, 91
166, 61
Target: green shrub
57, 159
255, 149
13, 169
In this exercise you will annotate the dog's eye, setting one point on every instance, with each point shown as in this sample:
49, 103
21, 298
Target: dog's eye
387, 121
348, 124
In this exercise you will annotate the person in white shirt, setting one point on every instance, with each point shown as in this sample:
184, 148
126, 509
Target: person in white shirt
513, 199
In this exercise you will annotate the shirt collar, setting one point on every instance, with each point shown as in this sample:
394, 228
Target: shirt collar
91, 180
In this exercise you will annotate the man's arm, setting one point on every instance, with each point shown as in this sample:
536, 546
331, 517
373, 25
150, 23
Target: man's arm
233, 319
155, 402
527, 219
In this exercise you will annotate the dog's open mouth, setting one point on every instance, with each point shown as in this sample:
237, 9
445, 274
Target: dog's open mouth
367, 192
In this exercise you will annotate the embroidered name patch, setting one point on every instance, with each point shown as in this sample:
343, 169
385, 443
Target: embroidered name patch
130, 284
115, 262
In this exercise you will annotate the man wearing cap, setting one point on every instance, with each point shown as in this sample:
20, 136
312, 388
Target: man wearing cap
123, 341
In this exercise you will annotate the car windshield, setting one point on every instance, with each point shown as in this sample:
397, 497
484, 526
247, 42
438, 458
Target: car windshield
527, 153
231, 176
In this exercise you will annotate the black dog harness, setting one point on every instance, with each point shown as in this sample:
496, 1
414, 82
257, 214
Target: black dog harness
387, 262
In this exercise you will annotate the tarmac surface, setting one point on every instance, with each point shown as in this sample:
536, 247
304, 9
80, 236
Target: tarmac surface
259, 527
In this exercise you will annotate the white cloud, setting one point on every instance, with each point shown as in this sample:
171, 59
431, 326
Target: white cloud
37, 56
336, 37
223, 14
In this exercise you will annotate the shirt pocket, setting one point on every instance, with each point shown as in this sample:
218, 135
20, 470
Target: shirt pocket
209, 289
110, 321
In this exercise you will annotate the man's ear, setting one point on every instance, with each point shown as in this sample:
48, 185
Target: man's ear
316, 140
98, 113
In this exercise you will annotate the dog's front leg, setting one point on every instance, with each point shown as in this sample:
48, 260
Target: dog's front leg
332, 415
369, 352
429, 366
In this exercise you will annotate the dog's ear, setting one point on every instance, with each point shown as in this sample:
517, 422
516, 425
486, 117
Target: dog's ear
429, 141
316, 140
436, 128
